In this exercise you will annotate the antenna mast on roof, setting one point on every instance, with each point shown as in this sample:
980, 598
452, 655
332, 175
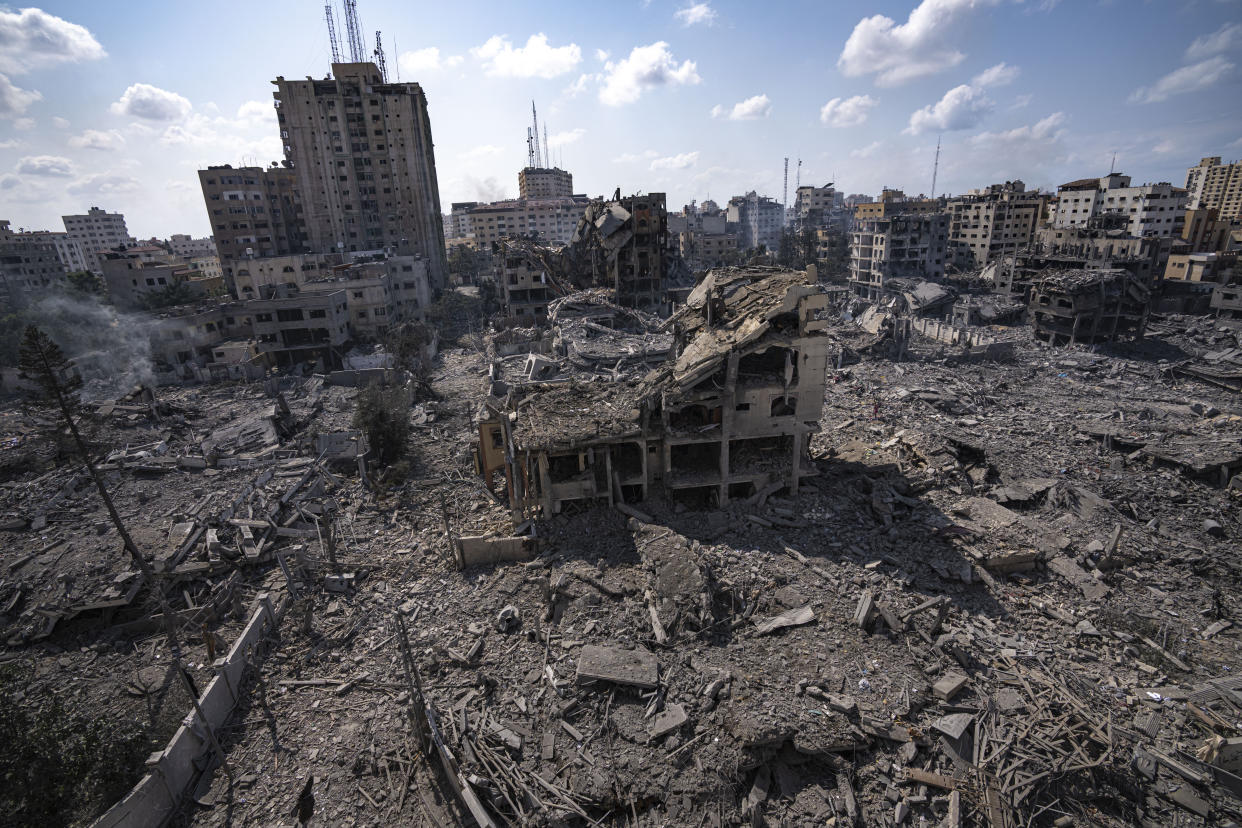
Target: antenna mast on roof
330, 16
785, 195
379, 56
534, 117
530, 149
1113, 165
798, 180
547, 148
353, 33
936, 167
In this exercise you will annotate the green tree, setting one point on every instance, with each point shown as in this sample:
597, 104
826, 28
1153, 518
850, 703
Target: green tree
84, 283
384, 416
176, 292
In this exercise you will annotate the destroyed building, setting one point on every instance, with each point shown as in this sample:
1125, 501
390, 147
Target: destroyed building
729, 413
1088, 306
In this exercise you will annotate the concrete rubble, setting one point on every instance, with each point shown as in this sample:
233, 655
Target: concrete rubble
936, 590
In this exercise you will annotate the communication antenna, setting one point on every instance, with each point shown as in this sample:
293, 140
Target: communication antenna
530, 149
936, 167
353, 33
785, 195
546, 146
396, 51
330, 16
1113, 165
535, 120
798, 179
379, 56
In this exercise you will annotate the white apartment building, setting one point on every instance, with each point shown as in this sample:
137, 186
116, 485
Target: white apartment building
95, 231
552, 220
1150, 209
68, 250
190, 248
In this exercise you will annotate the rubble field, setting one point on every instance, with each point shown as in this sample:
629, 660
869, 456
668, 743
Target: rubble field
1005, 593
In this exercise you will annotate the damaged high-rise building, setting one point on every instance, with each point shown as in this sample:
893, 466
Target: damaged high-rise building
728, 414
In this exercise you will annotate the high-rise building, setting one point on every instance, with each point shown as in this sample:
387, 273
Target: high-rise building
813, 206
254, 212
362, 153
29, 265
758, 219
1149, 209
67, 248
545, 182
1216, 185
97, 230
997, 221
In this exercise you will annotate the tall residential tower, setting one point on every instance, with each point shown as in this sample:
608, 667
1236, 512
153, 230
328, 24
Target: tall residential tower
362, 153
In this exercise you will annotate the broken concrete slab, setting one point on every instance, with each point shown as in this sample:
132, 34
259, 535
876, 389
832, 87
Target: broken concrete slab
666, 721
635, 668
789, 618
949, 686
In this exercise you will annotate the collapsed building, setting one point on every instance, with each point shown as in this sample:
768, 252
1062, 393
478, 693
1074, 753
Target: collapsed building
727, 415
620, 244
1089, 306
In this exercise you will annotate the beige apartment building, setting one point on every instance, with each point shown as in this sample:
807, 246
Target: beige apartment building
1149, 209
545, 182
254, 212
987, 224
362, 153
1218, 186
552, 220
97, 230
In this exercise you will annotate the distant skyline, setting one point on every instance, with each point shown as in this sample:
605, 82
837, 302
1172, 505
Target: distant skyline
118, 105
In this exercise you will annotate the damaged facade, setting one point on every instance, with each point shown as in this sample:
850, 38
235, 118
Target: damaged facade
1073, 306
728, 415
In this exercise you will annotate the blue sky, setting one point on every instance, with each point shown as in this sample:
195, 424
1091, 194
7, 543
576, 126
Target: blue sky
118, 104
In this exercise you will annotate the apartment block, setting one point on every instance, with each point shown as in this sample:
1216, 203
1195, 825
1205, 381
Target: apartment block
1149, 209
254, 212
1205, 231
634, 233
1103, 245
703, 250
129, 278
362, 153
29, 265
187, 247
545, 182
813, 206
68, 249
1215, 185
896, 203
294, 328
987, 224
1201, 267
523, 283
549, 220
906, 246
759, 220
96, 231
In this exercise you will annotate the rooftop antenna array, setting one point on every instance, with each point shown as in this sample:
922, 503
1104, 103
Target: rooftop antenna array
530, 149
535, 131
547, 148
785, 195
353, 33
936, 167
1113, 166
798, 180
379, 56
330, 16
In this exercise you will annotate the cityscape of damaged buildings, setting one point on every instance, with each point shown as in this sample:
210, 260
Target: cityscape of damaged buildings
848, 511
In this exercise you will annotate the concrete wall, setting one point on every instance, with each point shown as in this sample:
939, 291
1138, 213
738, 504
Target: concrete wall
156, 797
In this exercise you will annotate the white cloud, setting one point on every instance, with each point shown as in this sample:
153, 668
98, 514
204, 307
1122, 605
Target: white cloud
482, 151
750, 109
601, 55
49, 165
1165, 147
8, 181
97, 140
676, 162
962, 107
846, 112
646, 67
562, 139
257, 113
536, 59
580, 85
1184, 80
31, 38
1021, 101
60, 123
12, 143
923, 45
1001, 74
1235, 144
698, 13
424, 61
1044, 130
631, 157
104, 184
24, 123
142, 100
13, 99
1223, 39
867, 151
